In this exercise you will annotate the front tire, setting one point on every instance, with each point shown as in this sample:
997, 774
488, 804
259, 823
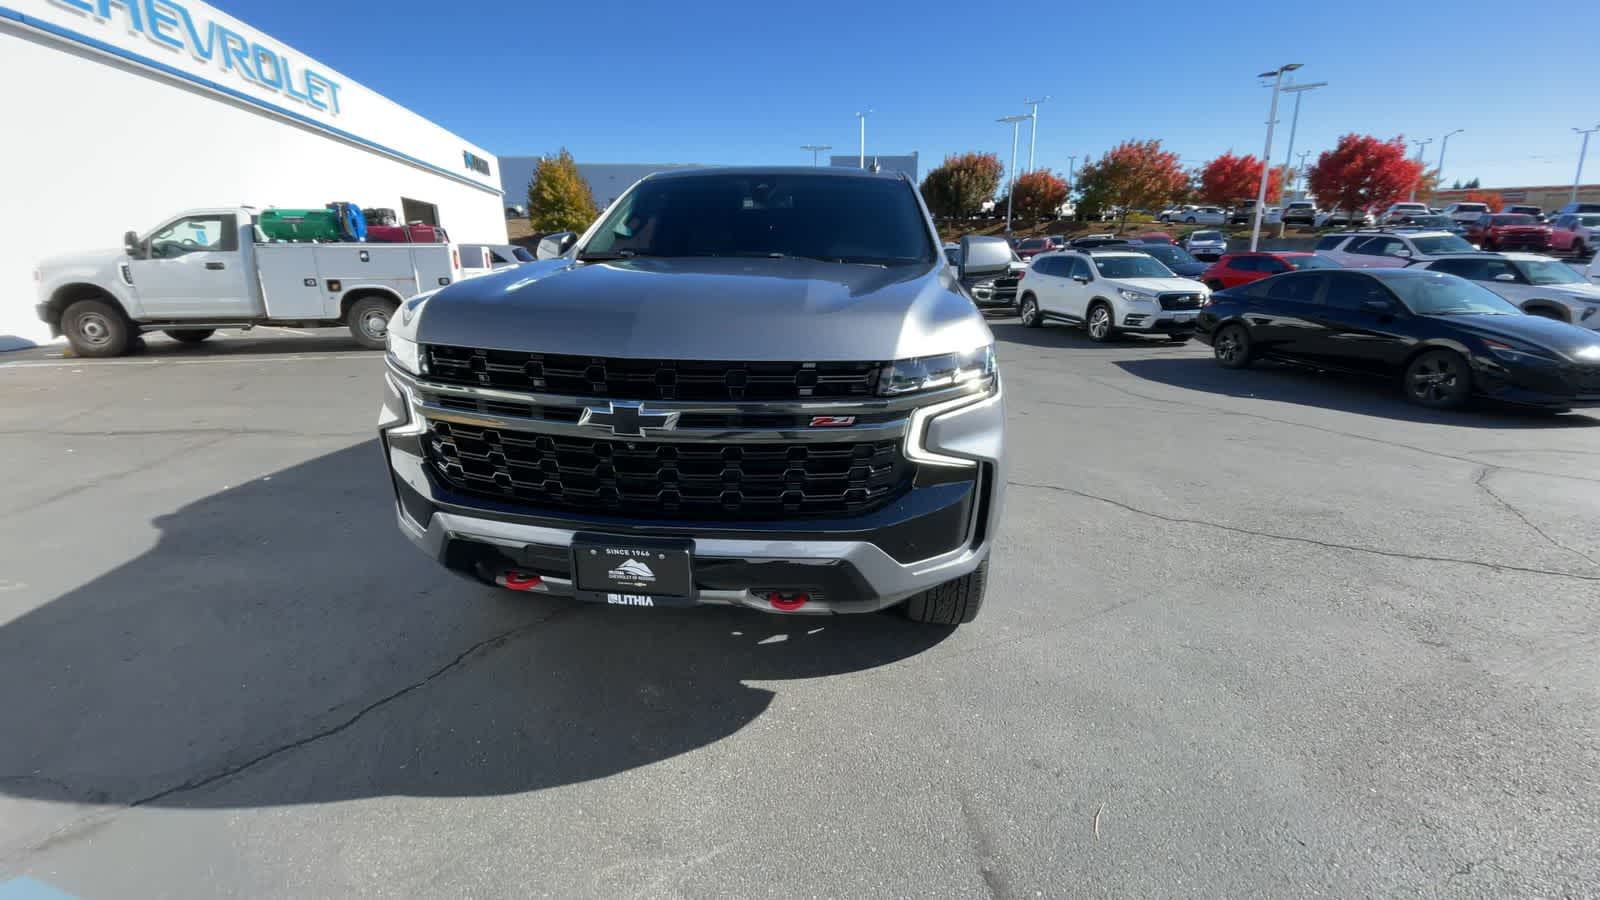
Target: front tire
1231, 346
96, 329
1030, 313
956, 602
369, 321
1439, 379
189, 335
1099, 325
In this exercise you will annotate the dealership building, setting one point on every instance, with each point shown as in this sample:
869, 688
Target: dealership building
121, 113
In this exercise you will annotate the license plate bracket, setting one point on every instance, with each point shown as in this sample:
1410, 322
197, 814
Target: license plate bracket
633, 571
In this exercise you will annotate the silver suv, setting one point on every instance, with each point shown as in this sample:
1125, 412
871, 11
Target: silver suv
1389, 247
760, 387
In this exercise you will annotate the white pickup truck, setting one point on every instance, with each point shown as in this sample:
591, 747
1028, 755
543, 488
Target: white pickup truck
205, 269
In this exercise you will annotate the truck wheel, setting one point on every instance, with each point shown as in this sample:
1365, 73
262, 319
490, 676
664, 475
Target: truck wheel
955, 602
189, 335
369, 321
96, 328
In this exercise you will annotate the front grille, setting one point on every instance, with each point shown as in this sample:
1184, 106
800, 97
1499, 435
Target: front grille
651, 379
528, 409
1179, 301
645, 479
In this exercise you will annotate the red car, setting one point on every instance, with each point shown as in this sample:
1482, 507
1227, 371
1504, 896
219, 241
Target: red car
1509, 231
1032, 247
1155, 237
1235, 269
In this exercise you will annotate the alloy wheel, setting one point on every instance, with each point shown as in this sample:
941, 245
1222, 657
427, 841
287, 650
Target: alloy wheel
1099, 323
1030, 312
1436, 380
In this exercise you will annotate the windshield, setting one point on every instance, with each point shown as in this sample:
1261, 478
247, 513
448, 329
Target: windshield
1514, 220
1130, 267
523, 255
1433, 221
1445, 243
1471, 207
1548, 271
837, 218
1206, 236
1438, 294
1309, 262
1589, 221
1170, 255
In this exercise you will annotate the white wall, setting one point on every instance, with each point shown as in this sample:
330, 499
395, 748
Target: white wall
96, 146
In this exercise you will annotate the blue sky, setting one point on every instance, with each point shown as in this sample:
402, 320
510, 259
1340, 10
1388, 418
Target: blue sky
749, 82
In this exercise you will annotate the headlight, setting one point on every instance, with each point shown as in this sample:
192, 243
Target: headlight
1513, 354
1135, 296
926, 373
405, 353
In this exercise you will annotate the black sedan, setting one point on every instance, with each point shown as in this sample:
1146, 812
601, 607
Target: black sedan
1449, 339
1175, 258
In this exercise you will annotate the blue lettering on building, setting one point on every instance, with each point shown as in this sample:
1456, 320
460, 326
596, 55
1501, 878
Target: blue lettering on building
171, 25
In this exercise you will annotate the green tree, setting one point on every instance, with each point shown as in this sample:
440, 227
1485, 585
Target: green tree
558, 197
958, 188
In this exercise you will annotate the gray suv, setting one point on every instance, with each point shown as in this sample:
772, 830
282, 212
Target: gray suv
758, 387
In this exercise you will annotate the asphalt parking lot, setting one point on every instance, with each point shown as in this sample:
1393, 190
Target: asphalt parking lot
1257, 633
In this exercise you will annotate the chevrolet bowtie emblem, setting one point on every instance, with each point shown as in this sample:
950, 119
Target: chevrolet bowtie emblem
627, 419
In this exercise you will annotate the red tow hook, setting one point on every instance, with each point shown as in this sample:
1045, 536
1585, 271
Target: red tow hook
788, 604
518, 580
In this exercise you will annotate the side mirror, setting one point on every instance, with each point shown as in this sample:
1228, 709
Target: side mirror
1403, 253
555, 245
982, 255
130, 243
1377, 306
1505, 276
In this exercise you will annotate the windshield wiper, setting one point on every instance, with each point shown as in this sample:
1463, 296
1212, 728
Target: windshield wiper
603, 255
844, 260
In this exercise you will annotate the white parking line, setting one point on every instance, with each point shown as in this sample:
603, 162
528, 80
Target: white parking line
287, 330
209, 360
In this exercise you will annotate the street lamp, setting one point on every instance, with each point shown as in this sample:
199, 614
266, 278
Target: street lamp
1033, 130
862, 163
1420, 145
1576, 179
1444, 144
1294, 124
1272, 119
815, 149
1015, 122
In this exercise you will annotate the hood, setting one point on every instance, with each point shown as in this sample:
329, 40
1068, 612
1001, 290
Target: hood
82, 258
1520, 229
1576, 290
1206, 242
1160, 285
709, 309
1571, 341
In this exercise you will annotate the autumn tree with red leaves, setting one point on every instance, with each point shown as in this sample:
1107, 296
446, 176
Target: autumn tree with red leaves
1133, 175
1039, 194
1229, 179
1488, 198
959, 187
1364, 172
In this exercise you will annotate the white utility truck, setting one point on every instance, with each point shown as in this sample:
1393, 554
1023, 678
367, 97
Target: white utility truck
205, 269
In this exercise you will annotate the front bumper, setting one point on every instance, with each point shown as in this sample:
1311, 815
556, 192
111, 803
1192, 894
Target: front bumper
939, 530
1547, 385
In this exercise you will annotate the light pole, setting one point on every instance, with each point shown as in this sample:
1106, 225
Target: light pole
1294, 124
1033, 129
862, 162
1272, 119
815, 149
1420, 145
1444, 144
1072, 172
1584, 151
1011, 190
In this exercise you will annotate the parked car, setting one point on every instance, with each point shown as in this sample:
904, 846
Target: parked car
1509, 231
1179, 260
1154, 237
1338, 218
493, 256
1110, 292
1300, 212
987, 287
1090, 241
1236, 269
1028, 248
1446, 338
1204, 215
1576, 207
1536, 212
1385, 247
1575, 233
1432, 222
1395, 211
1174, 213
1466, 212
648, 460
1205, 244
1538, 285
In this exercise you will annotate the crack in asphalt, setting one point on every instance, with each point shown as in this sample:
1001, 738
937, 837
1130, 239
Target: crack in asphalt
112, 476
1482, 482
229, 771
1331, 545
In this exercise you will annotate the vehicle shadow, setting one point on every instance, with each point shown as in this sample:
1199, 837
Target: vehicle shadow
1328, 390
284, 628
1060, 336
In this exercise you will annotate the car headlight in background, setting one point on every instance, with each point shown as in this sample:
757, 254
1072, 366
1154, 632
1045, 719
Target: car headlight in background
1136, 296
405, 353
927, 373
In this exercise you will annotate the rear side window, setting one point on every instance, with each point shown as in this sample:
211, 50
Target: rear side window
1080, 268
1246, 264
1048, 265
1470, 269
1294, 288
1347, 290
1330, 242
